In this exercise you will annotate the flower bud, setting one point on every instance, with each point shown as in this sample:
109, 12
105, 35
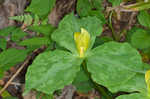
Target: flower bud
147, 79
82, 40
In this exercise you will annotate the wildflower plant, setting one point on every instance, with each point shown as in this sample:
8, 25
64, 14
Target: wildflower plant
117, 66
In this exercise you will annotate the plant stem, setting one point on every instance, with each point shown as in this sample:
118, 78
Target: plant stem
102, 90
115, 36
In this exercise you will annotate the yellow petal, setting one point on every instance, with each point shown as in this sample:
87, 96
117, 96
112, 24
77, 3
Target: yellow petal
147, 79
147, 76
82, 41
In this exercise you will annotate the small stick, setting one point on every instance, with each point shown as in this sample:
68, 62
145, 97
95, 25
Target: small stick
21, 68
12, 78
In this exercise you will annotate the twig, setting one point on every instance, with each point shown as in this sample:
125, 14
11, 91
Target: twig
37, 51
122, 8
12, 78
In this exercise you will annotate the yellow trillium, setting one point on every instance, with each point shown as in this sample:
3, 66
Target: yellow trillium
147, 79
82, 40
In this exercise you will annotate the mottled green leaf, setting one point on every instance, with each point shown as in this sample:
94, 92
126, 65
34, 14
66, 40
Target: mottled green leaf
70, 24
67, 27
11, 57
144, 18
140, 39
41, 8
117, 66
133, 96
92, 25
51, 71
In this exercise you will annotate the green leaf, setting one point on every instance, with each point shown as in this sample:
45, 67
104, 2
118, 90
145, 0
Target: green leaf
140, 39
144, 18
3, 43
130, 33
115, 2
97, 4
6, 31
117, 66
84, 86
5, 94
51, 71
67, 27
90, 8
1, 73
31, 48
70, 24
102, 40
35, 41
41, 8
146, 52
82, 82
17, 34
83, 7
92, 24
45, 21
133, 96
44, 29
146, 66
10, 98
11, 57
25, 18
98, 15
